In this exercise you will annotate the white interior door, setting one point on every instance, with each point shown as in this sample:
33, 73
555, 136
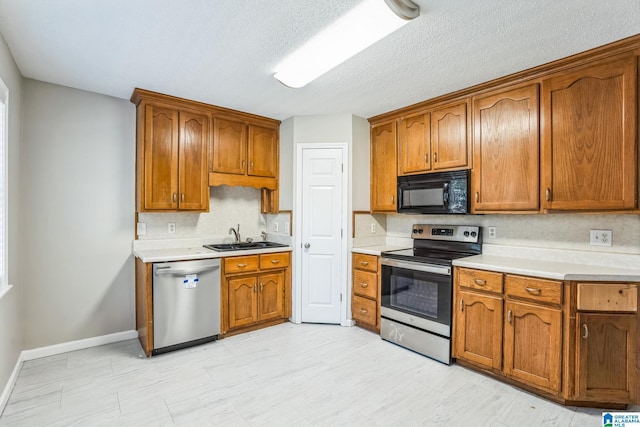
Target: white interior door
321, 237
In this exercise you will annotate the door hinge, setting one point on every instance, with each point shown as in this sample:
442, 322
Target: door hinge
341, 231
342, 167
340, 297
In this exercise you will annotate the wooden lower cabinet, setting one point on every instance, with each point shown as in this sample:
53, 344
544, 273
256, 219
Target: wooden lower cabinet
574, 343
256, 291
533, 345
365, 301
606, 353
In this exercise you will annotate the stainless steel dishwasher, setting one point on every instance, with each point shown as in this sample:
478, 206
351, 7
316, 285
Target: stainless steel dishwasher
186, 304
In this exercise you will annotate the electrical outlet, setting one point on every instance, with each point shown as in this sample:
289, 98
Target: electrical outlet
171, 227
601, 237
142, 228
276, 226
492, 232
287, 228
373, 227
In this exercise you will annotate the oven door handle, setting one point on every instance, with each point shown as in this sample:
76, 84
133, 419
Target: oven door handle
427, 268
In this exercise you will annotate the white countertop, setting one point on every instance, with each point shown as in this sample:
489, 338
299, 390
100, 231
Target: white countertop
549, 269
181, 254
377, 250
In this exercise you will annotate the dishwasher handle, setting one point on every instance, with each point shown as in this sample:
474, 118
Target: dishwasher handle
170, 271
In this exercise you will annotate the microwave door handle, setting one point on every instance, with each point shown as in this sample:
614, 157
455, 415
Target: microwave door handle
445, 195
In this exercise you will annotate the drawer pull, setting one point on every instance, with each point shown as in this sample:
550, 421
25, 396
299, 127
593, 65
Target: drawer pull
586, 331
363, 311
509, 316
365, 263
275, 261
242, 265
477, 196
533, 291
547, 194
480, 282
364, 284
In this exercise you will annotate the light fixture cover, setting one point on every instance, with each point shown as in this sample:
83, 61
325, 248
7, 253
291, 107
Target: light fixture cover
370, 21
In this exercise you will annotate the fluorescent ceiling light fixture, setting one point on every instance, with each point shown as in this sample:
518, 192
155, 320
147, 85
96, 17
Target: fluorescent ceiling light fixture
370, 21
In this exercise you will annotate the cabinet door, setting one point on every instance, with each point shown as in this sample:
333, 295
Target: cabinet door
414, 144
271, 296
229, 146
383, 167
160, 158
533, 345
243, 308
263, 151
606, 352
505, 151
193, 177
449, 142
589, 152
478, 329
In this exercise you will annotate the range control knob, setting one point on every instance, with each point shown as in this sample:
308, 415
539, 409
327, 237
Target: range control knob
466, 234
415, 231
474, 234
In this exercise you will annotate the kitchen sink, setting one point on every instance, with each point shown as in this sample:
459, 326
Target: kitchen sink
243, 246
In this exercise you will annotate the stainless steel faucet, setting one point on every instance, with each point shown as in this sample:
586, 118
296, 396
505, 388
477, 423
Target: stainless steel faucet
236, 232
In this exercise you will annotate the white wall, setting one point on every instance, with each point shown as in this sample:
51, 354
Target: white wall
11, 321
78, 214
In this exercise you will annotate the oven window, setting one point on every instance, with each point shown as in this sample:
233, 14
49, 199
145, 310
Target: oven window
423, 197
417, 296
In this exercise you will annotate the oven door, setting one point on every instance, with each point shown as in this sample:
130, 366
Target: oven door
417, 294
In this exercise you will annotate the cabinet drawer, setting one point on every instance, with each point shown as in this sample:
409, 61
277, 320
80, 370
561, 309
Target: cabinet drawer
364, 310
608, 297
277, 260
546, 291
478, 279
365, 283
241, 264
365, 262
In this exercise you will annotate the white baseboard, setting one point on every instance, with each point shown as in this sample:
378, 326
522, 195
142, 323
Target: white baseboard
52, 350
66, 347
4, 398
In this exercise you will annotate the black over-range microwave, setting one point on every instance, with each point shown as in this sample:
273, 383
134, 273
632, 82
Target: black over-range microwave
434, 193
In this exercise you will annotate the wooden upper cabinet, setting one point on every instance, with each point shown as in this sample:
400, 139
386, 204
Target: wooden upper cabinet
505, 151
589, 155
229, 146
383, 167
174, 147
449, 141
414, 144
263, 151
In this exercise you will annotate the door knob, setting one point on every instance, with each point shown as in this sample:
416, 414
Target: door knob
307, 245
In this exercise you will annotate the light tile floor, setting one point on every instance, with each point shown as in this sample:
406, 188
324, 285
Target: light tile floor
286, 375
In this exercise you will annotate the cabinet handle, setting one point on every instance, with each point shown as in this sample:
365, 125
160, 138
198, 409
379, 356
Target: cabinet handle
586, 331
461, 305
175, 197
547, 194
275, 261
182, 197
477, 196
426, 158
251, 165
509, 316
364, 284
243, 164
435, 157
261, 287
242, 265
393, 200
254, 288
365, 263
480, 282
533, 291
363, 311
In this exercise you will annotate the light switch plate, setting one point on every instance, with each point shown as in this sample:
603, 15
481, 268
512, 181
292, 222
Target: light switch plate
601, 237
142, 228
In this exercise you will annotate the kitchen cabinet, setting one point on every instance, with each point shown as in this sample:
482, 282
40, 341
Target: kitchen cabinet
244, 154
589, 137
433, 140
478, 318
606, 342
172, 146
255, 291
383, 167
365, 303
505, 176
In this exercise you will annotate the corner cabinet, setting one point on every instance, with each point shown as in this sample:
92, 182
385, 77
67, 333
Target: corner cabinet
589, 137
171, 161
574, 343
383, 167
255, 292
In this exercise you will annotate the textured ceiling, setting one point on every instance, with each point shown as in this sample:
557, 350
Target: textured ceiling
224, 52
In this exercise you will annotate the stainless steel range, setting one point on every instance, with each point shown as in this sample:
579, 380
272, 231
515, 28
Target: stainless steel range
417, 288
